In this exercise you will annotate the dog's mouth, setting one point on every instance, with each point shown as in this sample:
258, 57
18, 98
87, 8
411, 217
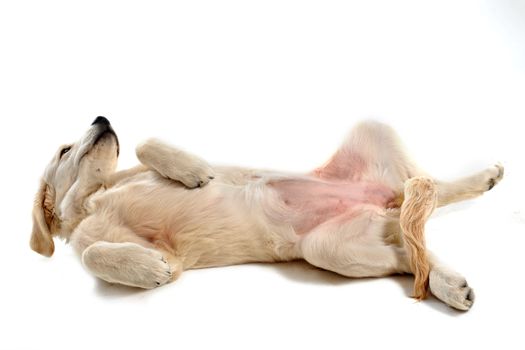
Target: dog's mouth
105, 132
99, 135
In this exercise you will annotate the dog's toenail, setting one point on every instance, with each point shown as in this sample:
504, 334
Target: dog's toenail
158, 283
211, 177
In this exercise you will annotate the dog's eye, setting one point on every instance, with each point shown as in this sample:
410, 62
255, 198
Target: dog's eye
64, 151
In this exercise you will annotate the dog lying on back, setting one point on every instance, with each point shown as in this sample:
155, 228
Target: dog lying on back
361, 214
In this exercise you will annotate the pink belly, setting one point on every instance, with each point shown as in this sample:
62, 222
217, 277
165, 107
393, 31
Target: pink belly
314, 202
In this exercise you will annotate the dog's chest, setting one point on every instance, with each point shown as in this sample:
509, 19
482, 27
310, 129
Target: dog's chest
157, 209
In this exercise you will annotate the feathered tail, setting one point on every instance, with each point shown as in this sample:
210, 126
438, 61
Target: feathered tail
420, 201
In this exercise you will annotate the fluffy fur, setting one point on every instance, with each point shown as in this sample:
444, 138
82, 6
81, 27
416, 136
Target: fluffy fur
361, 214
420, 201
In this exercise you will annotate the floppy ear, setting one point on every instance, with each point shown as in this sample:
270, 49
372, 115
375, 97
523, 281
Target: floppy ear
43, 212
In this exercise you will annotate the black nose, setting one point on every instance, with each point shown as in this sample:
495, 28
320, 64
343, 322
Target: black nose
101, 120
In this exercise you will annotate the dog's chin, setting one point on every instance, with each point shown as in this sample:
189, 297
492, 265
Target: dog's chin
104, 146
107, 136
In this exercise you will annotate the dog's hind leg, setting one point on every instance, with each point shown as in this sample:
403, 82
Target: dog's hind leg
357, 248
470, 186
449, 286
372, 152
370, 245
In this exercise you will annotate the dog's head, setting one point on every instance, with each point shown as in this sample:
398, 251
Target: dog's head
75, 171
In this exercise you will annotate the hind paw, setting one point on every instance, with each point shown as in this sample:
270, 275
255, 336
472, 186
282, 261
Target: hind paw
451, 288
495, 174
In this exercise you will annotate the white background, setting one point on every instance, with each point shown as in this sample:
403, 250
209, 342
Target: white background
272, 84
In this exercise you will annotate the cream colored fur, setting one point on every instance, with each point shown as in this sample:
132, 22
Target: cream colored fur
144, 226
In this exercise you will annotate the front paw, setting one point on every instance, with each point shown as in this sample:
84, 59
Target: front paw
175, 164
128, 264
198, 176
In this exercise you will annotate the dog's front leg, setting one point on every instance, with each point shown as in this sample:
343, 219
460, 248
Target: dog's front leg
174, 164
116, 254
129, 263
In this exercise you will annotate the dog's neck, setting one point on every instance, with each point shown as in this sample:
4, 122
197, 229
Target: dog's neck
77, 207
124, 174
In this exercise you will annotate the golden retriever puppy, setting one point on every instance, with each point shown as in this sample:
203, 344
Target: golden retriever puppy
361, 214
